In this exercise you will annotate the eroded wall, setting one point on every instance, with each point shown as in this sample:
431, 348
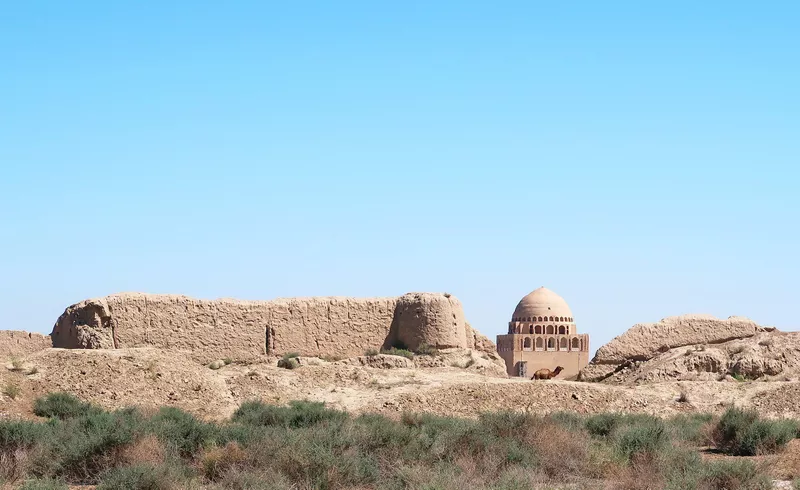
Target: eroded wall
16, 343
248, 330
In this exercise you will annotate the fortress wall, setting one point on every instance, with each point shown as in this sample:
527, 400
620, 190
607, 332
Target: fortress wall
16, 343
210, 329
329, 326
248, 330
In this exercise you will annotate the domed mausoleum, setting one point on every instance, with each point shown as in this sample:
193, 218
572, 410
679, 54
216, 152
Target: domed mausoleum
542, 334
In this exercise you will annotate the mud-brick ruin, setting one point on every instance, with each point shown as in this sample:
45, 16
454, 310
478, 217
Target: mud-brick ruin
542, 334
249, 330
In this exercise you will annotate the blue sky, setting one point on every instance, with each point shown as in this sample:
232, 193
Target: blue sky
639, 159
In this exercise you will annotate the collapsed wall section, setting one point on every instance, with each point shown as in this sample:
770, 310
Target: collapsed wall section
248, 330
644, 341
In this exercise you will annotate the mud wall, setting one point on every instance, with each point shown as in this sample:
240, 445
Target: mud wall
247, 330
16, 343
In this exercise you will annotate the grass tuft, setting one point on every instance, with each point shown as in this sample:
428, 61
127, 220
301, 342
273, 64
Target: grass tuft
12, 390
394, 351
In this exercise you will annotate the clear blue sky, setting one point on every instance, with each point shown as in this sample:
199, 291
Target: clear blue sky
638, 158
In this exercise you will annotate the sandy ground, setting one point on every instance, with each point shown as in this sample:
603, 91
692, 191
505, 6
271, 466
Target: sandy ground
152, 378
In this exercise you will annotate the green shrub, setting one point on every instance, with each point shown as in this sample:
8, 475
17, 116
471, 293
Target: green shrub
45, 484
645, 437
138, 477
502, 424
569, 420
729, 474
680, 468
601, 425
371, 352
743, 433
297, 414
690, 428
83, 447
394, 351
796, 484
62, 406
21, 434
181, 431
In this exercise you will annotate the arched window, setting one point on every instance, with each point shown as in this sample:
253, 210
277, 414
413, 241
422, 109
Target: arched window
551, 343
563, 344
529, 318
526, 345
530, 329
576, 344
550, 329
537, 329
539, 343
540, 319
562, 330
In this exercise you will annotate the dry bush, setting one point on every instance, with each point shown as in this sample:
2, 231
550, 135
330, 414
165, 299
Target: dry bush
147, 450
787, 465
12, 465
19, 463
642, 474
563, 453
218, 461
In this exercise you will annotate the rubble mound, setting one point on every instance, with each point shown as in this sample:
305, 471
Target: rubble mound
767, 356
645, 341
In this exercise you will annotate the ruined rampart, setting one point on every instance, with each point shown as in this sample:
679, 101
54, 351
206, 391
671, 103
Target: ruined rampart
15, 343
644, 341
246, 330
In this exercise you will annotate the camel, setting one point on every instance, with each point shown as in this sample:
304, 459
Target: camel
546, 373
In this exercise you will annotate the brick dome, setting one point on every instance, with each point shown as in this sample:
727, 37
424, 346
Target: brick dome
542, 303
